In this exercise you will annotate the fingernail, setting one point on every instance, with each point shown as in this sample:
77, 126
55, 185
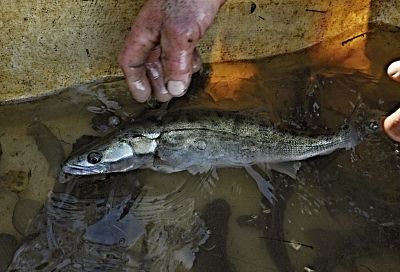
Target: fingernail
176, 87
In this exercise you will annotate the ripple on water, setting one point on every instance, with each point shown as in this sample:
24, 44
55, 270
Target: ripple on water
344, 203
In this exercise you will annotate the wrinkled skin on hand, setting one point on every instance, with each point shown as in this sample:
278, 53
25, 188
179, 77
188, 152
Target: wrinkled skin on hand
159, 55
391, 125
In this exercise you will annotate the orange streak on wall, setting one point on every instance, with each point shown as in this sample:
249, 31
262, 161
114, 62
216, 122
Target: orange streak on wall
348, 48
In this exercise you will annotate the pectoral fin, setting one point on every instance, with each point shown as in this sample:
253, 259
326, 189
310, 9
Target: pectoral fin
288, 168
263, 184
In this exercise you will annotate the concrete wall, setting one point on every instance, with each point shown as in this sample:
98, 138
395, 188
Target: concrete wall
49, 45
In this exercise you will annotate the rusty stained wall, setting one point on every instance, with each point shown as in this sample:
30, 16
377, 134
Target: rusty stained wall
49, 45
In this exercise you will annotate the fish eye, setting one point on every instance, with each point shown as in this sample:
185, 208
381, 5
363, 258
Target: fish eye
373, 125
94, 157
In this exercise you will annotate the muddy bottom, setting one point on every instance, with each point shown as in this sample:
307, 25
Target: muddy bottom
340, 214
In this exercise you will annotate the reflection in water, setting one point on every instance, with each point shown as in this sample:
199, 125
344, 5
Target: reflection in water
117, 226
339, 214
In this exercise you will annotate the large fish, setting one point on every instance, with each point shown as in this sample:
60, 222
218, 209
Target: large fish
197, 140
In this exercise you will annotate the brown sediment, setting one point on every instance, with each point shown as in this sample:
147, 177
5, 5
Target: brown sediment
276, 248
8, 245
272, 225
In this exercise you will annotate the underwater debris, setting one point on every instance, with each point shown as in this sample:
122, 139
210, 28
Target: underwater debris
15, 181
295, 245
104, 122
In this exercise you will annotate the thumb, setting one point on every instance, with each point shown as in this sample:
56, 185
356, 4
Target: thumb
393, 70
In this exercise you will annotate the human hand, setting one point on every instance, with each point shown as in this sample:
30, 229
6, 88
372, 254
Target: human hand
159, 56
391, 125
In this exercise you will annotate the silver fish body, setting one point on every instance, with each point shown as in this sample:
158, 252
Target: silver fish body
196, 140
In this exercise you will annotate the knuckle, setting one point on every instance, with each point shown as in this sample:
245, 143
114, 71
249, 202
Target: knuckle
177, 67
185, 33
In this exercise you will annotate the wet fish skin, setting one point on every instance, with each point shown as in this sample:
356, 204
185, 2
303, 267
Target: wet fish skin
196, 140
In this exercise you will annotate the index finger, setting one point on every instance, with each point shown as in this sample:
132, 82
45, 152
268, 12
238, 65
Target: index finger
140, 41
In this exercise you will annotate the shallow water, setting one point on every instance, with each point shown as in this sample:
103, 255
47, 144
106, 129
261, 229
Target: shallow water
341, 214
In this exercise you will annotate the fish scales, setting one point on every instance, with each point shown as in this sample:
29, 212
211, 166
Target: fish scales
264, 135
197, 140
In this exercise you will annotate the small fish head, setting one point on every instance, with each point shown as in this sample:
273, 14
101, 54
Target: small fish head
117, 155
368, 123
374, 125
373, 122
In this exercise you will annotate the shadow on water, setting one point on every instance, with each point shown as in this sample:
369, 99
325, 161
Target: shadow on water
340, 214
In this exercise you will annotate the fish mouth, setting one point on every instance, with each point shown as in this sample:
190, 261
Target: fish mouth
79, 170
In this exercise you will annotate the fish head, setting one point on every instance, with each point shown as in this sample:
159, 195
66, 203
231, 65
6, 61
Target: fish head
114, 155
371, 123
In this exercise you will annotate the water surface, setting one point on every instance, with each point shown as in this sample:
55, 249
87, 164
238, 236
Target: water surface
341, 214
